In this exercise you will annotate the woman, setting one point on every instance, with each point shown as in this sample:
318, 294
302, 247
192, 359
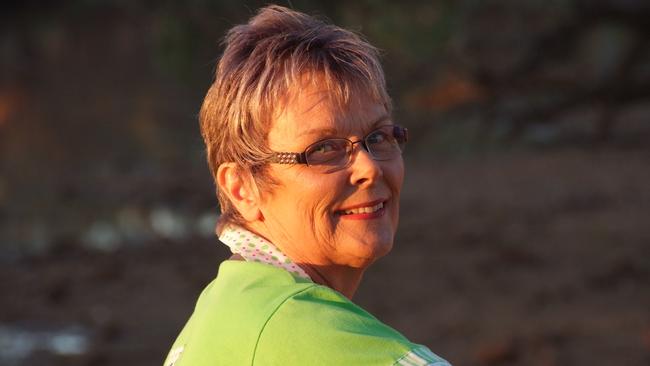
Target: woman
308, 166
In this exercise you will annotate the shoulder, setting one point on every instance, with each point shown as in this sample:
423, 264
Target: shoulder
319, 326
255, 314
231, 313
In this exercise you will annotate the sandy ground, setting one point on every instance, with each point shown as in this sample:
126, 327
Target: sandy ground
521, 259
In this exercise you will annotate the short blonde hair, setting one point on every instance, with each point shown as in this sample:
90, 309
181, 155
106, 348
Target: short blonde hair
263, 59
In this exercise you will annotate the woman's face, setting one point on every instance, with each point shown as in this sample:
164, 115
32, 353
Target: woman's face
305, 214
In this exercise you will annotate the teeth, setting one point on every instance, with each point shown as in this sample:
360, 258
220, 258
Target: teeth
361, 210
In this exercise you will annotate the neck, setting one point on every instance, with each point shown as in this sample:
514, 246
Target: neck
344, 279
340, 278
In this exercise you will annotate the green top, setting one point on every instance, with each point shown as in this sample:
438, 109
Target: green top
257, 314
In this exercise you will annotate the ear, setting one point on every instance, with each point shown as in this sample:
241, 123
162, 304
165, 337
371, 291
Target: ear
241, 189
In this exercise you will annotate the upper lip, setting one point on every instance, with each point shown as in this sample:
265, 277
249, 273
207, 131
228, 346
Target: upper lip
365, 204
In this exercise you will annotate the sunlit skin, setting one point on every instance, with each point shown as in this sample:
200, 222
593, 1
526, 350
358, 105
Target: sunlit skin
302, 216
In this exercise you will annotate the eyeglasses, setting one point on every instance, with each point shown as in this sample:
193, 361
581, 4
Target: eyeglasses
384, 143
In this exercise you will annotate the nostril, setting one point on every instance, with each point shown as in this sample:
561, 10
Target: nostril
362, 180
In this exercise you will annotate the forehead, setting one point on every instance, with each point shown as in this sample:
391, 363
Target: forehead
312, 113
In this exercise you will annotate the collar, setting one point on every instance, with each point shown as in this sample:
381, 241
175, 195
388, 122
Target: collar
254, 248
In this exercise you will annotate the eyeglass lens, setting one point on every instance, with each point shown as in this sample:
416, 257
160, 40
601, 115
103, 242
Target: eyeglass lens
383, 144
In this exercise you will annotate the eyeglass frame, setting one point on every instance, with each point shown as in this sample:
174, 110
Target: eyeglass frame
301, 158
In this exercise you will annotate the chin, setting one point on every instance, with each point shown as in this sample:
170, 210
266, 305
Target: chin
383, 249
367, 253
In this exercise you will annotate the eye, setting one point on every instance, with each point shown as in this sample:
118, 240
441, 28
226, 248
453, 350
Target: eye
326, 151
378, 137
324, 147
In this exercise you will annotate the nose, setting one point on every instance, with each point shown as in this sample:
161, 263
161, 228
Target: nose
364, 169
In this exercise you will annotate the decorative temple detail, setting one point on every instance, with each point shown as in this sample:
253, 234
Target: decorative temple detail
286, 158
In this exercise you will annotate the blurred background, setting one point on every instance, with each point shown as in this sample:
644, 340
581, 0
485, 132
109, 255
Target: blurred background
525, 226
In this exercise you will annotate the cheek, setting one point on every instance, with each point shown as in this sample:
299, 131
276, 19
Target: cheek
394, 174
395, 178
315, 221
316, 196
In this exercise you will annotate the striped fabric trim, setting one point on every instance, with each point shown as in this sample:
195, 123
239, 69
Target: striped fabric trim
421, 356
174, 355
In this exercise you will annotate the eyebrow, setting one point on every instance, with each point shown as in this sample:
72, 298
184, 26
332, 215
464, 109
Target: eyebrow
333, 131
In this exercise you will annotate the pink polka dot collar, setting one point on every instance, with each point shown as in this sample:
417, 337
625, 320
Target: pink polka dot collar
254, 248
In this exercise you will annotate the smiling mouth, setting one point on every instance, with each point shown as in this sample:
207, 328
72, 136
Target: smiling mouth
364, 210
